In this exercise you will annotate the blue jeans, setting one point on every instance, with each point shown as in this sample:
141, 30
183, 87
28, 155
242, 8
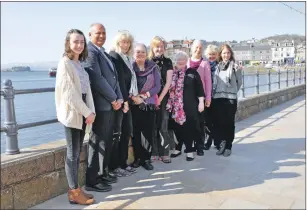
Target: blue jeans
74, 141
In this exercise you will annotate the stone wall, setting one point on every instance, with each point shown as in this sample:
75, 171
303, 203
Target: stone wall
37, 174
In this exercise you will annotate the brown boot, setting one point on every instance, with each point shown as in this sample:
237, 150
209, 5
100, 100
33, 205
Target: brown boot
90, 196
75, 196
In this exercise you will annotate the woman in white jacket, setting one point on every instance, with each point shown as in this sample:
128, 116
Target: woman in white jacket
75, 109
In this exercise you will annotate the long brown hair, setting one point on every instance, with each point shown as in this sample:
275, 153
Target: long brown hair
219, 55
68, 52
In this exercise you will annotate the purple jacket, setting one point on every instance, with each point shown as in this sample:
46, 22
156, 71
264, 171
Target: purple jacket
148, 80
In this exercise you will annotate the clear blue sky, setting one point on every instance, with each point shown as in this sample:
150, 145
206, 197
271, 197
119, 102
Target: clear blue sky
35, 31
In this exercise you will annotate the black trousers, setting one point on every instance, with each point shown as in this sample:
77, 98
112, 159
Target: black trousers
143, 132
162, 142
121, 135
100, 145
187, 133
208, 129
224, 111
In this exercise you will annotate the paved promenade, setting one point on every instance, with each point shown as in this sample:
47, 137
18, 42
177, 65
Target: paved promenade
265, 171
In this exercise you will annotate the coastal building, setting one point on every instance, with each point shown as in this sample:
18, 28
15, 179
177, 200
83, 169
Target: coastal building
250, 53
300, 53
178, 45
283, 52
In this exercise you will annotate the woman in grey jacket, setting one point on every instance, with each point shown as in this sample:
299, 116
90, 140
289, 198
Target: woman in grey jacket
227, 81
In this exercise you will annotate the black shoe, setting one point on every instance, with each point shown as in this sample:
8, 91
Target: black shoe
147, 165
207, 147
136, 164
175, 155
107, 179
100, 187
222, 148
190, 156
200, 152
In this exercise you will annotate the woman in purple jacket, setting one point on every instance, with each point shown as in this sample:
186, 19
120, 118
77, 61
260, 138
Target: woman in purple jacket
143, 110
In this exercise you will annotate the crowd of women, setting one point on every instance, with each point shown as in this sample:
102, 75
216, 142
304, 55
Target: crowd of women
129, 93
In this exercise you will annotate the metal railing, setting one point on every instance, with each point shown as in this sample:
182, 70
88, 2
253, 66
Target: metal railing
11, 127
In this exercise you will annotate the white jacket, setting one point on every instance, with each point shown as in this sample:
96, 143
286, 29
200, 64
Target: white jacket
70, 107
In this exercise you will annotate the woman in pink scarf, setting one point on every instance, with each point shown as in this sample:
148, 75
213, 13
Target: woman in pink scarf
185, 103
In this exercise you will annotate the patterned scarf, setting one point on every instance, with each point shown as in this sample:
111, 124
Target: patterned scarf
175, 101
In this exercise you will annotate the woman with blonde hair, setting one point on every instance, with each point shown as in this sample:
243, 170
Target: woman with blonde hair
226, 84
198, 63
185, 103
211, 54
121, 55
75, 109
162, 143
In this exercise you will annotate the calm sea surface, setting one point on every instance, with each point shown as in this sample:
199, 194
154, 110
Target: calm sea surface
40, 106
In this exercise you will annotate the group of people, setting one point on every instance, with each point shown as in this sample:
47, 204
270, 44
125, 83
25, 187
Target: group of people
129, 94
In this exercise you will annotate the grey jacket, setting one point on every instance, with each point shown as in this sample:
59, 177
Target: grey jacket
227, 82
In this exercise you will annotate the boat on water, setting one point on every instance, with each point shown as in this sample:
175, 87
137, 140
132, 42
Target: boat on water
52, 72
17, 69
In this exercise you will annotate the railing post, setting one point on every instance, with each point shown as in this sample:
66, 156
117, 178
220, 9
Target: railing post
294, 76
269, 79
243, 84
300, 76
257, 86
278, 78
287, 77
10, 119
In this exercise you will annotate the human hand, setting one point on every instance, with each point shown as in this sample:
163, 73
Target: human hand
207, 103
90, 119
116, 105
126, 107
201, 106
137, 100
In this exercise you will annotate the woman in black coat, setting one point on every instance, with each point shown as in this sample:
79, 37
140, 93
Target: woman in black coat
121, 55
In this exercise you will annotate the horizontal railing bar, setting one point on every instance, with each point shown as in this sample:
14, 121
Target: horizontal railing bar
36, 90
3, 129
39, 123
2, 92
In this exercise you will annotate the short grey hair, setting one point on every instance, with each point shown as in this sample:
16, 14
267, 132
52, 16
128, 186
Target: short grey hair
196, 42
95, 24
180, 55
121, 35
142, 45
211, 49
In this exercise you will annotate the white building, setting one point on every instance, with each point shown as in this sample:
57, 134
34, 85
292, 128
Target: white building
283, 52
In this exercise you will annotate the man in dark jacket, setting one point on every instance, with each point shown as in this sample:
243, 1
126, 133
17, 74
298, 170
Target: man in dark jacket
107, 98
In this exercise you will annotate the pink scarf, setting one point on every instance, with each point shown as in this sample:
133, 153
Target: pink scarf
175, 101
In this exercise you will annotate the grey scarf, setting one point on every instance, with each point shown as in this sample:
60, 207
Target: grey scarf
134, 86
228, 66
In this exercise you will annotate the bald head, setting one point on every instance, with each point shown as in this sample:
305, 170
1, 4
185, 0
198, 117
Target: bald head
97, 34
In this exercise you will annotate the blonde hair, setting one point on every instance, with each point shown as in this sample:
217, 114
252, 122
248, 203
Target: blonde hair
121, 35
180, 55
211, 49
154, 43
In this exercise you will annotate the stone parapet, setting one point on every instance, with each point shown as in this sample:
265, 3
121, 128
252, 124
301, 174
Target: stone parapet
37, 174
